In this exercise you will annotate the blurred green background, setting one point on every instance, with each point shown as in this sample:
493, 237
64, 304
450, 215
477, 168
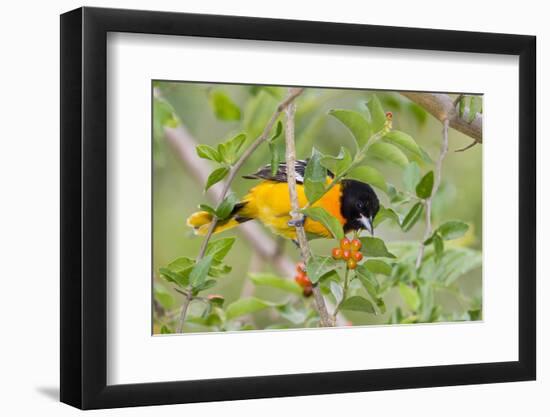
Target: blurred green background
176, 194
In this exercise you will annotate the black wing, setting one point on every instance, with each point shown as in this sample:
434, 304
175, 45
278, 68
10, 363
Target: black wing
280, 175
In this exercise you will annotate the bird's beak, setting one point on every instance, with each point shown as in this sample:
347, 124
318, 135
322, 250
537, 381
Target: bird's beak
367, 223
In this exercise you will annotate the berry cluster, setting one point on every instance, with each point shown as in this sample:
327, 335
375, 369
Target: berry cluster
348, 252
302, 279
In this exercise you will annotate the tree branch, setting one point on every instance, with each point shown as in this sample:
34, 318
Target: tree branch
437, 181
296, 215
442, 107
230, 177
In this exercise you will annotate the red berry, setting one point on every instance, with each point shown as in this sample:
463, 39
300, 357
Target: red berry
357, 256
352, 263
346, 254
308, 291
389, 115
302, 280
337, 253
356, 244
345, 243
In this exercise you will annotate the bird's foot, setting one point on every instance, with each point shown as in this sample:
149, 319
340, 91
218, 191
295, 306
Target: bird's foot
297, 223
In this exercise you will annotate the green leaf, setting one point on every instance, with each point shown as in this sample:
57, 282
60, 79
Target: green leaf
216, 176
425, 186
293, 314
218, 269
246, 306
174, 277
377, 266
337, 164
410, 295
420, 115
314, 190
181, 264
318, 266
377, 113
229, 150
386, 214
200, 271
369, 175
225, 208
452, 229
373, 247
274, 281
388, 152
403, 140
277, 151
314, 170
224, 108
163, 297
163, 115
357, 125
278, 131
219, 248
439, 246
368, 280
411, 176
208, 152
204, 286
462, 106
315, 177
412, 216
276, 148
475, 108
322, 216
371, 286
337, 291
453, 263
357, 303
165, 330
208, 209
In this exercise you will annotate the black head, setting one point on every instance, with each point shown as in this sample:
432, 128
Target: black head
359, 205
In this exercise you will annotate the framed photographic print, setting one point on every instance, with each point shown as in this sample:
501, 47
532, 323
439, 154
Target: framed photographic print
245, 200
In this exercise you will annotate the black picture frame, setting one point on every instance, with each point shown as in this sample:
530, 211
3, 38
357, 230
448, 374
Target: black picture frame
84, 207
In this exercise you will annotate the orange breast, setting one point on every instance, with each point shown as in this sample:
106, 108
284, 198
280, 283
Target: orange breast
269, 202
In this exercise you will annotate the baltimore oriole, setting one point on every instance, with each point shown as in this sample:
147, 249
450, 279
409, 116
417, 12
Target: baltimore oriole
353, 203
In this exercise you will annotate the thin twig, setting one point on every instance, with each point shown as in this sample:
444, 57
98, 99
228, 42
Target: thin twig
442, 107
471, 145
344, 295
183, 312
438, 167
296, 215
230, 177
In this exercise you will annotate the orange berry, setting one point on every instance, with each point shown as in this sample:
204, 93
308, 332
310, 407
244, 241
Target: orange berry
337, 253
356, 244
345, 243
308, 291
352, 263
346, 254
358, 256
302, 280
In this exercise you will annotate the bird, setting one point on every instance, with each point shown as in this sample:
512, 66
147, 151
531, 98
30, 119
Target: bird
353, 203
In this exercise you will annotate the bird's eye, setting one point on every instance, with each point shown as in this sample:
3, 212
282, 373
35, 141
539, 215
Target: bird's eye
359, 205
